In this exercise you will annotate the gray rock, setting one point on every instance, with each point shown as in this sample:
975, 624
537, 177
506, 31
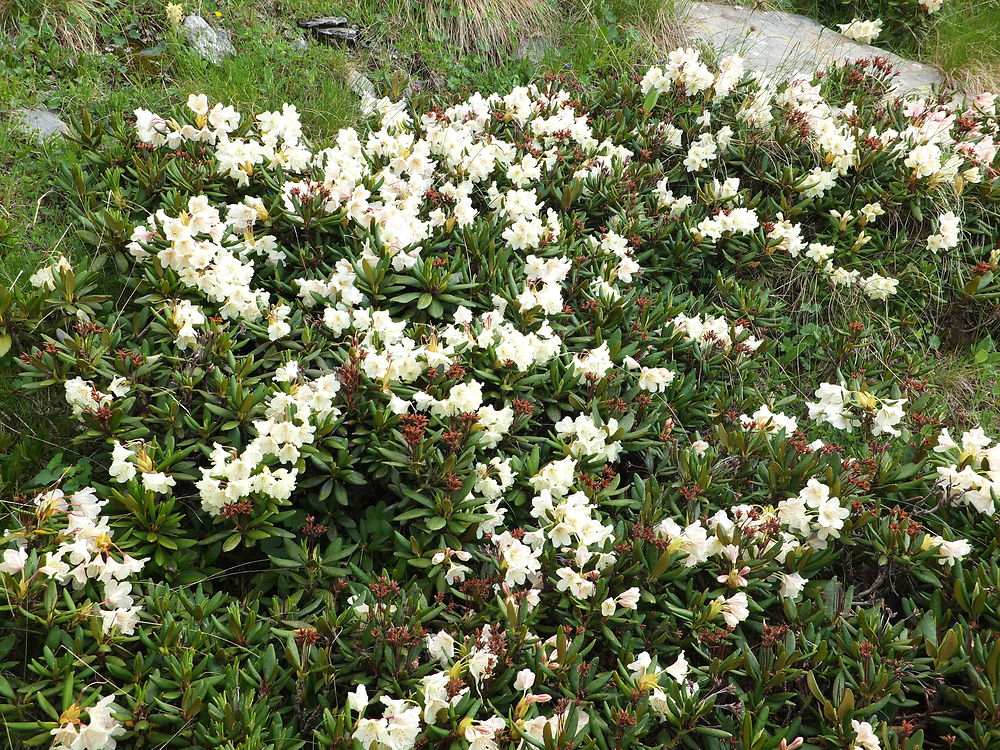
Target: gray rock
326, 22
361, 85
331, 29
39, 123
299, 43
349, 34
533, 48
785, 44
211, 43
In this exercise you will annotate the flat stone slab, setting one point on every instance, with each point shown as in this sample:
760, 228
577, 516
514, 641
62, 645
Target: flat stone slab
40, 123
326, 22
330, 34
784, 45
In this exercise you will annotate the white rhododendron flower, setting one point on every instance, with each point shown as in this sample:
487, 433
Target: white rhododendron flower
768, 421
861, 31
98, 732
847, 409
864, 736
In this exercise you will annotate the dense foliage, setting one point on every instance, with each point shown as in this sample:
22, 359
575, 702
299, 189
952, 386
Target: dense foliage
558, 418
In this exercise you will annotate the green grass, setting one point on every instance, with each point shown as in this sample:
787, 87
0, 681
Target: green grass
969, 383
965, 41
268, 73
31, 220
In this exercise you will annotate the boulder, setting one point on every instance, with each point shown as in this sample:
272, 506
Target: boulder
39, 123
786, 44
211, 43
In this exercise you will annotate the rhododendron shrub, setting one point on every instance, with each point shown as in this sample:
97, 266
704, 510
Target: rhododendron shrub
474, 427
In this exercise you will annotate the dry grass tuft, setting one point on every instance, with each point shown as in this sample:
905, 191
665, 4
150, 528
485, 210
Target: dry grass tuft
664, 30
977, 77
491, 28
74, 22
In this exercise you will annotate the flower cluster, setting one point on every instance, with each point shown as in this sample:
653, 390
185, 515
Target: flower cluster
972, 477
81, 555
87, 554
97, 733
503, 407
847, 409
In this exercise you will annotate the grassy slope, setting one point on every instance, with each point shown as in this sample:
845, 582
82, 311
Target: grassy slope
965, 42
